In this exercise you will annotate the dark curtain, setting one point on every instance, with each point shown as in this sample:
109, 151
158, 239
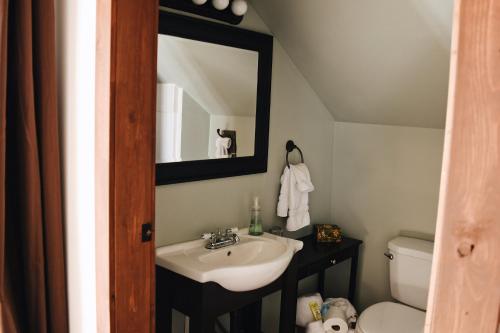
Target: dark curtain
32, 269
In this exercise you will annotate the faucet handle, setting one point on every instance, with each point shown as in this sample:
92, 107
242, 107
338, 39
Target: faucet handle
231, 231
235, 237
207, 235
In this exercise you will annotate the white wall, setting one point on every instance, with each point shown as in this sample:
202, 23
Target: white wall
245, 133
385, 183
183, 211
76, 22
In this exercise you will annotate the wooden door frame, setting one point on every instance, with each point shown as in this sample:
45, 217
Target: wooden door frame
125, 165
464, 294
468, 221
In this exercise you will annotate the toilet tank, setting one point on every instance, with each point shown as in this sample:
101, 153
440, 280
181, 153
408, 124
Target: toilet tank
410, 270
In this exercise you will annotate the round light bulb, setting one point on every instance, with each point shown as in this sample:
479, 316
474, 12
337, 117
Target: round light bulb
199, 2
239, 7
220, 4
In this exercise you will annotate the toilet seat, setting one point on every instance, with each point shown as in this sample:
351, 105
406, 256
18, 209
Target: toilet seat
390, 317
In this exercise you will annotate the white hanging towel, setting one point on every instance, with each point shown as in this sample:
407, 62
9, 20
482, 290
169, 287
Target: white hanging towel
168, 123
294, 196
222, 147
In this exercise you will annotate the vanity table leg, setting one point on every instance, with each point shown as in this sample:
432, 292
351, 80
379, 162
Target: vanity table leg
163, 305
252, 317
353, 275
321, 283
289, 298
163, 319
235, 321
247, 319
201, 324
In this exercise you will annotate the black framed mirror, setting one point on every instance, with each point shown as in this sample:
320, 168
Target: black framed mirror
213, 100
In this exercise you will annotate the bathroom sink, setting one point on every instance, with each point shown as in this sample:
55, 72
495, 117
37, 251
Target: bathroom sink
250, 264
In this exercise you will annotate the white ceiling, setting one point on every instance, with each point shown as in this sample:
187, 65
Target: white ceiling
207, 72
370, 61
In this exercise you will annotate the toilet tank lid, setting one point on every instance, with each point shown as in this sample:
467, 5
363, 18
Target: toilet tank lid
412, 247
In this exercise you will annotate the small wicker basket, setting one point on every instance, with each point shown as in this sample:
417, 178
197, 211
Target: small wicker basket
328, 233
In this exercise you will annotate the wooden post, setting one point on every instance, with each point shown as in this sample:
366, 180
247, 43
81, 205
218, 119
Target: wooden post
125, 163
465, 284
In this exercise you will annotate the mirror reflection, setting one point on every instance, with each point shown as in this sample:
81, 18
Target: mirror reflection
206, 100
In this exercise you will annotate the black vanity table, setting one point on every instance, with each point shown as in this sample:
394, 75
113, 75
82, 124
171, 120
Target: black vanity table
204, 302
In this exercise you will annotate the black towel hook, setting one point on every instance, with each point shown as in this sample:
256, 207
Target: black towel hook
220, 133
290, 146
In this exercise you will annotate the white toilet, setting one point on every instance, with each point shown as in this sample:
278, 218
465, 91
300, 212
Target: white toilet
410, 270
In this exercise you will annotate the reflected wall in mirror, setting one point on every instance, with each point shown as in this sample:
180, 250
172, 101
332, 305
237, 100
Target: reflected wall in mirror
213, 100
206, 100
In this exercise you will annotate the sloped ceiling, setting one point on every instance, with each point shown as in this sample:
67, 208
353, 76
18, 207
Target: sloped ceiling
379, 62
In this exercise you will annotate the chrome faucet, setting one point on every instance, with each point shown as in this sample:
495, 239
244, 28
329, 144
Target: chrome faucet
221, 239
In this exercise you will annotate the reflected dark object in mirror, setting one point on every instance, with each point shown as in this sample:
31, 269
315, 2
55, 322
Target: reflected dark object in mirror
209, 32
232, 151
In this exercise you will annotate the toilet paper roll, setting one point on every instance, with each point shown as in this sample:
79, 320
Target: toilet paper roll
315, 327
335, 321
304, 314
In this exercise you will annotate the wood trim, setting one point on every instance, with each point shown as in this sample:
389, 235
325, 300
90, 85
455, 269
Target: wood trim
125, 165
464, 294
103, 174
102, 164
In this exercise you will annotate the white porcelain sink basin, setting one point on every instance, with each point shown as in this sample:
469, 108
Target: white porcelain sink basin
253, 263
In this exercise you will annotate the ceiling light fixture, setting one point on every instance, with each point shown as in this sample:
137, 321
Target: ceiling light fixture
220, 4
239, 7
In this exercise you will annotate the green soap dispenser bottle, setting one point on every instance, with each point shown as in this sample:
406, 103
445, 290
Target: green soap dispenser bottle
255, 228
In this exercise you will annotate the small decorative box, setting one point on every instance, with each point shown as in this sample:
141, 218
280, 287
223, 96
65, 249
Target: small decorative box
328, 233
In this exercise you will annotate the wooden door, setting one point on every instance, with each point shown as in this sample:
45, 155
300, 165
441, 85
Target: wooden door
465, 284
125, 163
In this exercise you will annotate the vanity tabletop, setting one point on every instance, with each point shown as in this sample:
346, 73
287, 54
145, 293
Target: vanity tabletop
313, 252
